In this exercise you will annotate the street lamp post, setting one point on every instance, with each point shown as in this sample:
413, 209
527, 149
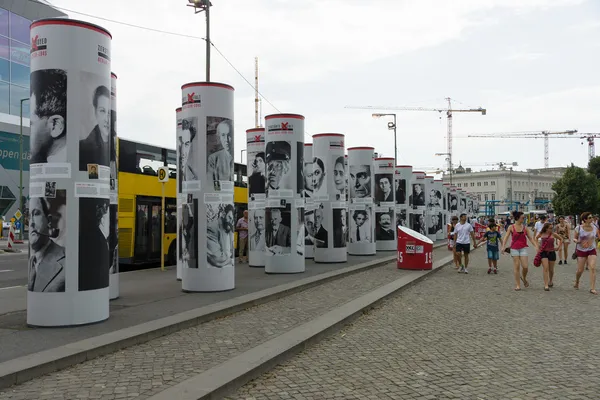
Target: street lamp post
391, 126
21, 172
199, 6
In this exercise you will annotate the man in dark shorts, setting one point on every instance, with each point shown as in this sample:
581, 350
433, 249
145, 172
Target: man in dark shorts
463, 234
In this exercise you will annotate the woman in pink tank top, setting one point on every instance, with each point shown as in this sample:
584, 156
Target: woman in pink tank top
585, 238
518, 248
548, 252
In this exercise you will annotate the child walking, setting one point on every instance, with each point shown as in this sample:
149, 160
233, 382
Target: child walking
492, 237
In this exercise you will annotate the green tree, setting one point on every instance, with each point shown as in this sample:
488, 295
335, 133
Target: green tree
594, 167
577, 191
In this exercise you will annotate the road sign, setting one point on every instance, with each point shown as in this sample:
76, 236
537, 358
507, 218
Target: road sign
18, 214
163, 174
18, 225
12, 220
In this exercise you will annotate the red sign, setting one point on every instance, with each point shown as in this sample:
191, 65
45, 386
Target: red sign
284, 126
191, 97
479, 230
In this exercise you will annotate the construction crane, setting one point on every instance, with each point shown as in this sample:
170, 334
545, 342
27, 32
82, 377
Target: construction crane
530, 135
449, 111
589, 137
257, 100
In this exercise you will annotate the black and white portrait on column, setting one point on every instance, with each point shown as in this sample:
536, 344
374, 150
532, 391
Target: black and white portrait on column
299, 168
278, 237
361, 227
319, 173
309, 228
48, 118
401, 218
384, 226
418, 194
400, 187
256, 241
187, 147
300, 232
188, 242
94, 255
452, 202
463, 204
384, 188
279, 175
339, 178
360, 181
256, 179
340, 227
47, 260
219, 149
220, 223
94, 144
321, 234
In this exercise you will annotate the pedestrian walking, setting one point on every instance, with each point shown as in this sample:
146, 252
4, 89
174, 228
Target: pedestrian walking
492, 238
463, 234
518, 248
242, 229
547, 252
585, 238
451, 243
564, 231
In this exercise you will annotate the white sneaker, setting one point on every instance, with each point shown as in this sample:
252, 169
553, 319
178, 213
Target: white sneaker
465, 271
461, 270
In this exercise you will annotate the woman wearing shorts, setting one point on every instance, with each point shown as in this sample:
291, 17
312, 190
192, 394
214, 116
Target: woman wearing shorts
518, 248
562, 229
450, 228
548, 252
585, 238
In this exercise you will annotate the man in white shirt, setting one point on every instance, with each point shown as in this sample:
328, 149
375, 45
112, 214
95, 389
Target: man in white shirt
463, 233
539, 225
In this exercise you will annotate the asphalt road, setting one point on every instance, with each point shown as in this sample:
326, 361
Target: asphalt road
13, 267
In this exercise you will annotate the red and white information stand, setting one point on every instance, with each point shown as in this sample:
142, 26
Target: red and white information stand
415, 251
479, 230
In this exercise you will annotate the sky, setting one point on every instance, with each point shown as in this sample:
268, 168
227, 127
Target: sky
531, 63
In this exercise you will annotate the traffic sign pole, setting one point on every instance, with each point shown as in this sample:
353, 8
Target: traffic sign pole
162, 230
163, 177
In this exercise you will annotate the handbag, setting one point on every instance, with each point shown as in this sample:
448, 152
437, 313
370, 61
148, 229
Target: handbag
537, 260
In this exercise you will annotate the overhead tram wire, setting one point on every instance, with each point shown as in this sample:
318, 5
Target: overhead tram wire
166, 33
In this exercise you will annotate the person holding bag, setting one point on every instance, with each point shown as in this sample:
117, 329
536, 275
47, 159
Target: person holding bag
546, 255
585, 238
518, 248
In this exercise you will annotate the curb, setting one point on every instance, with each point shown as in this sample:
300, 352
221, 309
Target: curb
23, 369
229, 376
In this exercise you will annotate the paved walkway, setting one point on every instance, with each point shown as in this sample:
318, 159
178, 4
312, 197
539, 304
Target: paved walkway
146, 295
147, 369
456, 336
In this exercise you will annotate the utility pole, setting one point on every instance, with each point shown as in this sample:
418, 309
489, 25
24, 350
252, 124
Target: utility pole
256, 99
199, 6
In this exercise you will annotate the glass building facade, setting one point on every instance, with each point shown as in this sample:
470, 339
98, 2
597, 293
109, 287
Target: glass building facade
14, 63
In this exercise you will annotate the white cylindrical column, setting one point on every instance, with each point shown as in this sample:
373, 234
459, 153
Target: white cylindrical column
113, 236
402, 177
309, 204
207, 213
462, 201
180, 150
69, 173
284, 213
385, 209
256, 167
430, 200
329, 176
452, 201
438, 185
361, 211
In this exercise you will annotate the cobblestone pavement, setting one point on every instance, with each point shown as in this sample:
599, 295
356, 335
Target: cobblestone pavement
456, 336
144, 370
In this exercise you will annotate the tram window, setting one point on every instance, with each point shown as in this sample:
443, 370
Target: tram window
172, 163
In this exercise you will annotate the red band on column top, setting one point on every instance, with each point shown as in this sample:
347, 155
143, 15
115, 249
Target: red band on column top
71, 22
215, 84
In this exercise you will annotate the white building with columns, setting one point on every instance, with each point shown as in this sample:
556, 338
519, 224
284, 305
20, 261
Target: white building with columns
506, 189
